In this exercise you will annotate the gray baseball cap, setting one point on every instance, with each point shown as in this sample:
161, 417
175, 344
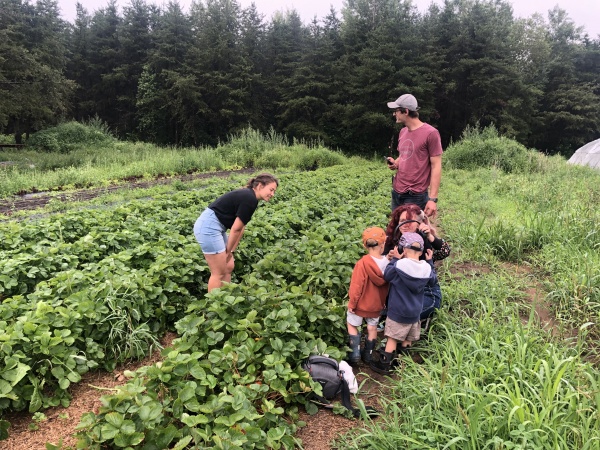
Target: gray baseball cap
413, 241
407, 101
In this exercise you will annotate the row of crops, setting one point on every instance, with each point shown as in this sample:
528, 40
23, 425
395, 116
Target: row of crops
95, 287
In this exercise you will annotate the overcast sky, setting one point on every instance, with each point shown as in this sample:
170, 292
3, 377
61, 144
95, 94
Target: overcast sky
584, 13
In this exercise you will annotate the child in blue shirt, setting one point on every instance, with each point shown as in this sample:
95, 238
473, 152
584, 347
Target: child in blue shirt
407, 277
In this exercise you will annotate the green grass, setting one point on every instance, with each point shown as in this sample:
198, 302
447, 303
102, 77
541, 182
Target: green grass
83, 161
488, 381
493, 377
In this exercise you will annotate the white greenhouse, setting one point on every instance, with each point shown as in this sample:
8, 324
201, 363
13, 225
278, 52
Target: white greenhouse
589, 155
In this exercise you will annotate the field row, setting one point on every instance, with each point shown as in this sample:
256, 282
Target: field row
132, 272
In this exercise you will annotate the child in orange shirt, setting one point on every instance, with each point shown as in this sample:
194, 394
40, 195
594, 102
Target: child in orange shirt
367, 294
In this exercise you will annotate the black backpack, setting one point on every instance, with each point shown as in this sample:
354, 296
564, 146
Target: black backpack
327, 373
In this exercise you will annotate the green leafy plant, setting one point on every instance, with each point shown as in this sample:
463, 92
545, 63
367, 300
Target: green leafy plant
486, 148
36, 419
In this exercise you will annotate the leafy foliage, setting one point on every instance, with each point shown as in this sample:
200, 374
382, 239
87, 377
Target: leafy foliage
158, 74
135, 270
70, 136
76, 280
96, 159
487, 149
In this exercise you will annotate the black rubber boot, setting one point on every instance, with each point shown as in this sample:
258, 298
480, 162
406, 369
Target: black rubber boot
383, 366
397, 355
367, 352
354, 344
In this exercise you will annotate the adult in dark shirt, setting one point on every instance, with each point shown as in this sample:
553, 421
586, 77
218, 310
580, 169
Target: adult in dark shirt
409, 218
231, 211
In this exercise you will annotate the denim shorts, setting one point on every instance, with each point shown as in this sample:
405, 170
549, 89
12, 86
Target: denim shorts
432, 300
210, 233
356, 321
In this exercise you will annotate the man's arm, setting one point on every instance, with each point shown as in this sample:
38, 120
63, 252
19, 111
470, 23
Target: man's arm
434, 184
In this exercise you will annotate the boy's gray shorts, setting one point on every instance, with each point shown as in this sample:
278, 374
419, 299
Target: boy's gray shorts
356, 321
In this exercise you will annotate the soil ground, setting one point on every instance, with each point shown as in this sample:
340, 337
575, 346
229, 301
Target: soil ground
35, 200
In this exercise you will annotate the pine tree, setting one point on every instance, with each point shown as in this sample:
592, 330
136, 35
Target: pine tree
571, 103
219, 70
482, 83
381, 61
103, 60
33, 88
135, 43
157, 113
78, 65
303, 78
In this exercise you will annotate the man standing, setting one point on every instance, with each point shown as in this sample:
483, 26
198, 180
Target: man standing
419, 164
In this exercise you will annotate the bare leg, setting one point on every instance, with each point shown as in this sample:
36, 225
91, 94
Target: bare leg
371, 332
390, 345
220, 270
352, 329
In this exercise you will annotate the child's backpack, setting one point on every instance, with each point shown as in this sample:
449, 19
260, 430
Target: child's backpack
327, 373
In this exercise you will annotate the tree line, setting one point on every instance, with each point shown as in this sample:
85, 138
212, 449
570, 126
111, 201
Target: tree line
161, 75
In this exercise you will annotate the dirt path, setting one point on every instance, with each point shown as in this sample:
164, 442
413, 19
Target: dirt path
35, 200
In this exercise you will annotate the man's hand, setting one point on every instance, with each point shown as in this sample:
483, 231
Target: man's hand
392, 164
431, 209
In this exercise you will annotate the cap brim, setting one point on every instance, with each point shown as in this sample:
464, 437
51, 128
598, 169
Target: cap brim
392, 105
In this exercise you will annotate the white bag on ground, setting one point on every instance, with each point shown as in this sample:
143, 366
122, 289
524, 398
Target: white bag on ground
348, 375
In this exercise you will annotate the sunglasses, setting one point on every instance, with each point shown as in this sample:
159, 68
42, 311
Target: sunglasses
404, 222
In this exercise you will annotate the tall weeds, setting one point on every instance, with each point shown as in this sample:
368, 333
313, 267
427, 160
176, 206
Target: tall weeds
74, 155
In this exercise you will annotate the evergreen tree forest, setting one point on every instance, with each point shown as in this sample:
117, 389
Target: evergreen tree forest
162, 75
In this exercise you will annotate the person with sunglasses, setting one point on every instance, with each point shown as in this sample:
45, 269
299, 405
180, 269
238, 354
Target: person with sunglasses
410, 218
419, 163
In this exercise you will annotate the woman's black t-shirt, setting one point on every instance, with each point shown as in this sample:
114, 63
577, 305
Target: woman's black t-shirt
239, 203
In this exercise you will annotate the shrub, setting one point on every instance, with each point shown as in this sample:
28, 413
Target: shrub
274, 159
7, 139
45, 142
319, 157
69, 136
485, 148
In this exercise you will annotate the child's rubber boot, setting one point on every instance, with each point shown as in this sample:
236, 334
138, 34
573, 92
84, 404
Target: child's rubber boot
398, 355
354, 344
367, 351
383, 366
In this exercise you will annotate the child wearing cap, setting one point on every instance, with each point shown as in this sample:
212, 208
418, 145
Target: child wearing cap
367, 294
407, 277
